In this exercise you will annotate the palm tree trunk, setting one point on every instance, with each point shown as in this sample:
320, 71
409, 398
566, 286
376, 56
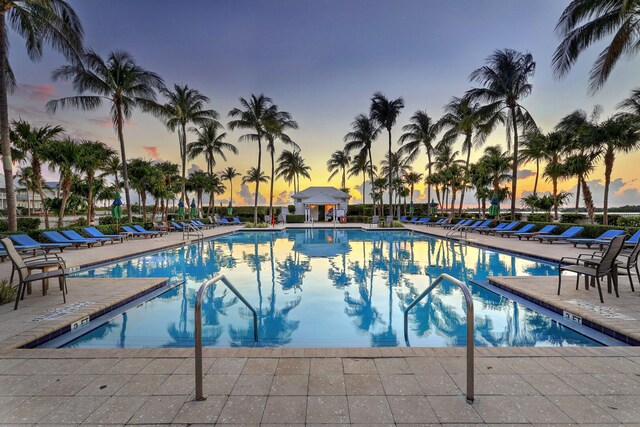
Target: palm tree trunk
390, 179
273, 172
588, 200
125, 171
514, 175
4, 128
182, 137
371, 176
429, 183
66, 191
143, 203
364, 190
464, 183
89, 197
535, 183
37, 175
255, 203
609, 159
578, 192
555, 198
344, 177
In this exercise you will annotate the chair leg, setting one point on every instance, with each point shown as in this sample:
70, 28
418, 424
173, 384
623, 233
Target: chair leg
13, 273
599, 289
18, 294
64, 288
630, 279
615, 283
577, 281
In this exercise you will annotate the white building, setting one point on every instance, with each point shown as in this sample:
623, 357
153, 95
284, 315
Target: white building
314, 201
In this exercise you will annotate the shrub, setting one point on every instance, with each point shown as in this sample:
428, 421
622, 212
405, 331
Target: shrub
629, 221
572, 218
291, 208
295, 219
359, 218
7, 292
259, 225
28, 224
538, 217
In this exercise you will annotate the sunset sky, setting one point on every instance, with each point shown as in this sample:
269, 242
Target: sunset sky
322, 61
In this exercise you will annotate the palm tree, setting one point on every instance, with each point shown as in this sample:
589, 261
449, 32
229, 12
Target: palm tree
275, 125
584, 23
117, 81
93, 157
556, 145
113, 167
361, 138
360, 165
421, 132
505, 78
26, 178
338, 163
253, 116
209, 143
198, 182
30, 145
534, 150
465, 118
291, 167
215, 186
385, 113
581, 165
39, 22
631, 105
143, 174
229, 174
411, 179
63, 155
254, 176
496, 163
169, 178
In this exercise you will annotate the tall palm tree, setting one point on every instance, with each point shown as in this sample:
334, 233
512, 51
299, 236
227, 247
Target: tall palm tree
385, 113
291, 167
505, 81
229, 174
466, 118
276, 124
534, 150
39, 22
198, 182
215, 186
143, 174
364, 132
26, 178
117, 81
169, 178
210, 143
580, 165
411, 179
584, 23
183, 106
360, 165
253, 116
113, 167
93, 157
255, 176
338, 163
63, 155
557, 144
421, 132
631, 105
30, 146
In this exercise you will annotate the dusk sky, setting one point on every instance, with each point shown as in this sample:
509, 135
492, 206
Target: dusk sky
322, 61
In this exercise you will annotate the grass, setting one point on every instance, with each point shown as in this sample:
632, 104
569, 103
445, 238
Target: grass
7, 292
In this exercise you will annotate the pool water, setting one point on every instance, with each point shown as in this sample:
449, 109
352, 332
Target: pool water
326, 288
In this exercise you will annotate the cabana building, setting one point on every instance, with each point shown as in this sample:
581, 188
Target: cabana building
316, 202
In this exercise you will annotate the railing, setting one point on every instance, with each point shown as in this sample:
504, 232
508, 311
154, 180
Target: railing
470, 326
189, 230
198, 325
462, 229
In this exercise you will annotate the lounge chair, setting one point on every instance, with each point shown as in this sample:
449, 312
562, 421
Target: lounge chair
374, 220
403, 218
56, 237
458, 224
471, 225
413, 220
547, 229
484, 226
478, 225
568, 234
630, 242
607, 235
25, 270
511, 226
74, 235
508, 233
236, 220
422, 221
95, 233
438, 222
498, 227
137, 233
144, 230
25, 241
203, 225
595, 268
388, 220
176, 226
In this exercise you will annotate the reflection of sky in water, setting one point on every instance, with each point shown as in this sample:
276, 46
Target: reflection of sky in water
344, 288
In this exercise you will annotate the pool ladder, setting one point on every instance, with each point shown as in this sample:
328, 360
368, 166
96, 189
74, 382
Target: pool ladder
456, 229
470, 325
198, 325
190, 230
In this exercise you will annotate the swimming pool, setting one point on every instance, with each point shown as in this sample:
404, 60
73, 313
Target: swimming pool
326, 288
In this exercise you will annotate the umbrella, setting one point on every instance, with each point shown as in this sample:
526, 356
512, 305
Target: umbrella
116, 209
494, 210
194, 211
181, 208
230, 209
433, 210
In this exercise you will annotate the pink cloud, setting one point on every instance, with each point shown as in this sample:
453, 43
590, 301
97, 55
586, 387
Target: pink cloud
42, 93
152, 151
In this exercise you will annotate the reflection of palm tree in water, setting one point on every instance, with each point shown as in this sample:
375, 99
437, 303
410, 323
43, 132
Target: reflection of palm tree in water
389, 336
362, 309
338, 276
291, 271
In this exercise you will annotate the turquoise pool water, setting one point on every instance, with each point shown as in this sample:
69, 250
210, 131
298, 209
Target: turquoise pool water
326, 288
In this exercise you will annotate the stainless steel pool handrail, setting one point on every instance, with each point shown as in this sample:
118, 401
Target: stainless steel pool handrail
189, 230
470, 325
198, 325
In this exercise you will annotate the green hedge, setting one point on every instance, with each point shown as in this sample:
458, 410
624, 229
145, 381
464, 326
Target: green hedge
24, 224
295, 219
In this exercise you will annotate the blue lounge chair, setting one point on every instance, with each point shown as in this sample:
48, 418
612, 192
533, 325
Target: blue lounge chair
74, 235
484, 226
547, 229
236, 220
568, 234
153, 232
458, 224
473, 224
136, 233
498, 227
223, 221
607, 235
508, 233
423, 221
24, 240
56, 237
403, 218
95, 233
509, 227
202, 224
631, 241
176, 225
478, 225
438, 222
413, 220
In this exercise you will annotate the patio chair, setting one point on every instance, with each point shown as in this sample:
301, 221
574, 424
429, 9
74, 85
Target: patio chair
26, 275
441, 221
568, 234
176, 226
236, 220
607, 235
403, 218
24, 240
595, 268
630, 242
136, 233
512, 225
477, 225
388, 220
374, 220
56, 237
421, 221
508, 233
484, 226
458, 224
94, 232
471, 225
498, 227
627, 260
547, 229
153, 232
74, 235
